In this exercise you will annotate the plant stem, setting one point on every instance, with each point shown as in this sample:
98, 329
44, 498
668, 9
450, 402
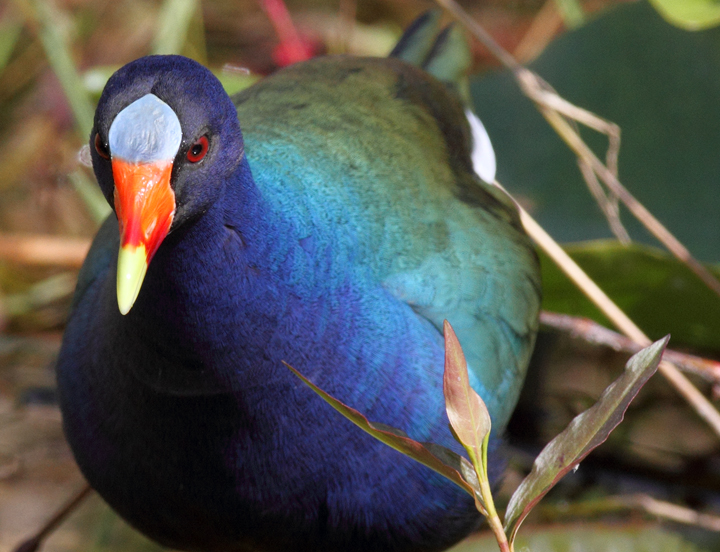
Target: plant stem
492, 517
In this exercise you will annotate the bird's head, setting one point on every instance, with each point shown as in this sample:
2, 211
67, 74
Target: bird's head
165, 139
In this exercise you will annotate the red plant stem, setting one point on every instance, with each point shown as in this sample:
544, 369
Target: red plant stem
282, 22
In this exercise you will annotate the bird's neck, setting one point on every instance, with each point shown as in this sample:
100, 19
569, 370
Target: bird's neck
213, 282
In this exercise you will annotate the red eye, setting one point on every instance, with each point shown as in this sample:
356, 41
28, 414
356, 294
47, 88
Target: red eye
198, 150
101, 148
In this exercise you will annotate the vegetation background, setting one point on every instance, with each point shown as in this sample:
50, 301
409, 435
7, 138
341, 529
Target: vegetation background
621, 59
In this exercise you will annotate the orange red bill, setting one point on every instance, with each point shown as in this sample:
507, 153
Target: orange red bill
145, 206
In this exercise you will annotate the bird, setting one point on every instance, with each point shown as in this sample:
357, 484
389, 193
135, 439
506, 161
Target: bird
329, 217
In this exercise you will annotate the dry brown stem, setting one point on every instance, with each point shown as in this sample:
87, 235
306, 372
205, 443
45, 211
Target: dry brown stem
43, 250
592, 332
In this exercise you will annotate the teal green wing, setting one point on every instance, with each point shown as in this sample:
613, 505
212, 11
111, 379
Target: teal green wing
445, 54
369, 160
418, 40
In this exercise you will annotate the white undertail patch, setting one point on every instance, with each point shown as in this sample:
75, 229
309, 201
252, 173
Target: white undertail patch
483, 154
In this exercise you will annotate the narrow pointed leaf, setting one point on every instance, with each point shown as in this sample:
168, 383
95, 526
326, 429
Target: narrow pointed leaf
585, 432
468, 415
447, 457
88, 191
58, 51
449, 466
10, 28
173, 23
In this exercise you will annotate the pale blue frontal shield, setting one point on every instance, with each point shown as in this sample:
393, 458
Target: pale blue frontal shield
145, 131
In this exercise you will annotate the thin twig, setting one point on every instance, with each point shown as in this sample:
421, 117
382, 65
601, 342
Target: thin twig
592, 332
32, 544
481, 34
583, 151
342, 37
544, 94
543, 29
674, 512
607, 202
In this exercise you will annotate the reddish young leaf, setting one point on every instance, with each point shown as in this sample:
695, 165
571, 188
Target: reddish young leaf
468, 415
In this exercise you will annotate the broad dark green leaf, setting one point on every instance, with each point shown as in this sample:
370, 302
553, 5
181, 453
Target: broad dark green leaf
399, 441
658, 292
468, 415
661, 84
585, 432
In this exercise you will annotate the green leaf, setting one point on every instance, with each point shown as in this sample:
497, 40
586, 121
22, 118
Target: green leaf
398, 440
585, 432
234, 82
692, 15
572, 12
657, 291
468, 415
88, 191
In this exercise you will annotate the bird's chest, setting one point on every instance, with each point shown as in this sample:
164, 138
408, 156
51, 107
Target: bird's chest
183, 467
184, 418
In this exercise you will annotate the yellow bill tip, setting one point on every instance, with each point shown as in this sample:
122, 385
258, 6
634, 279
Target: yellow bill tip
132, 266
